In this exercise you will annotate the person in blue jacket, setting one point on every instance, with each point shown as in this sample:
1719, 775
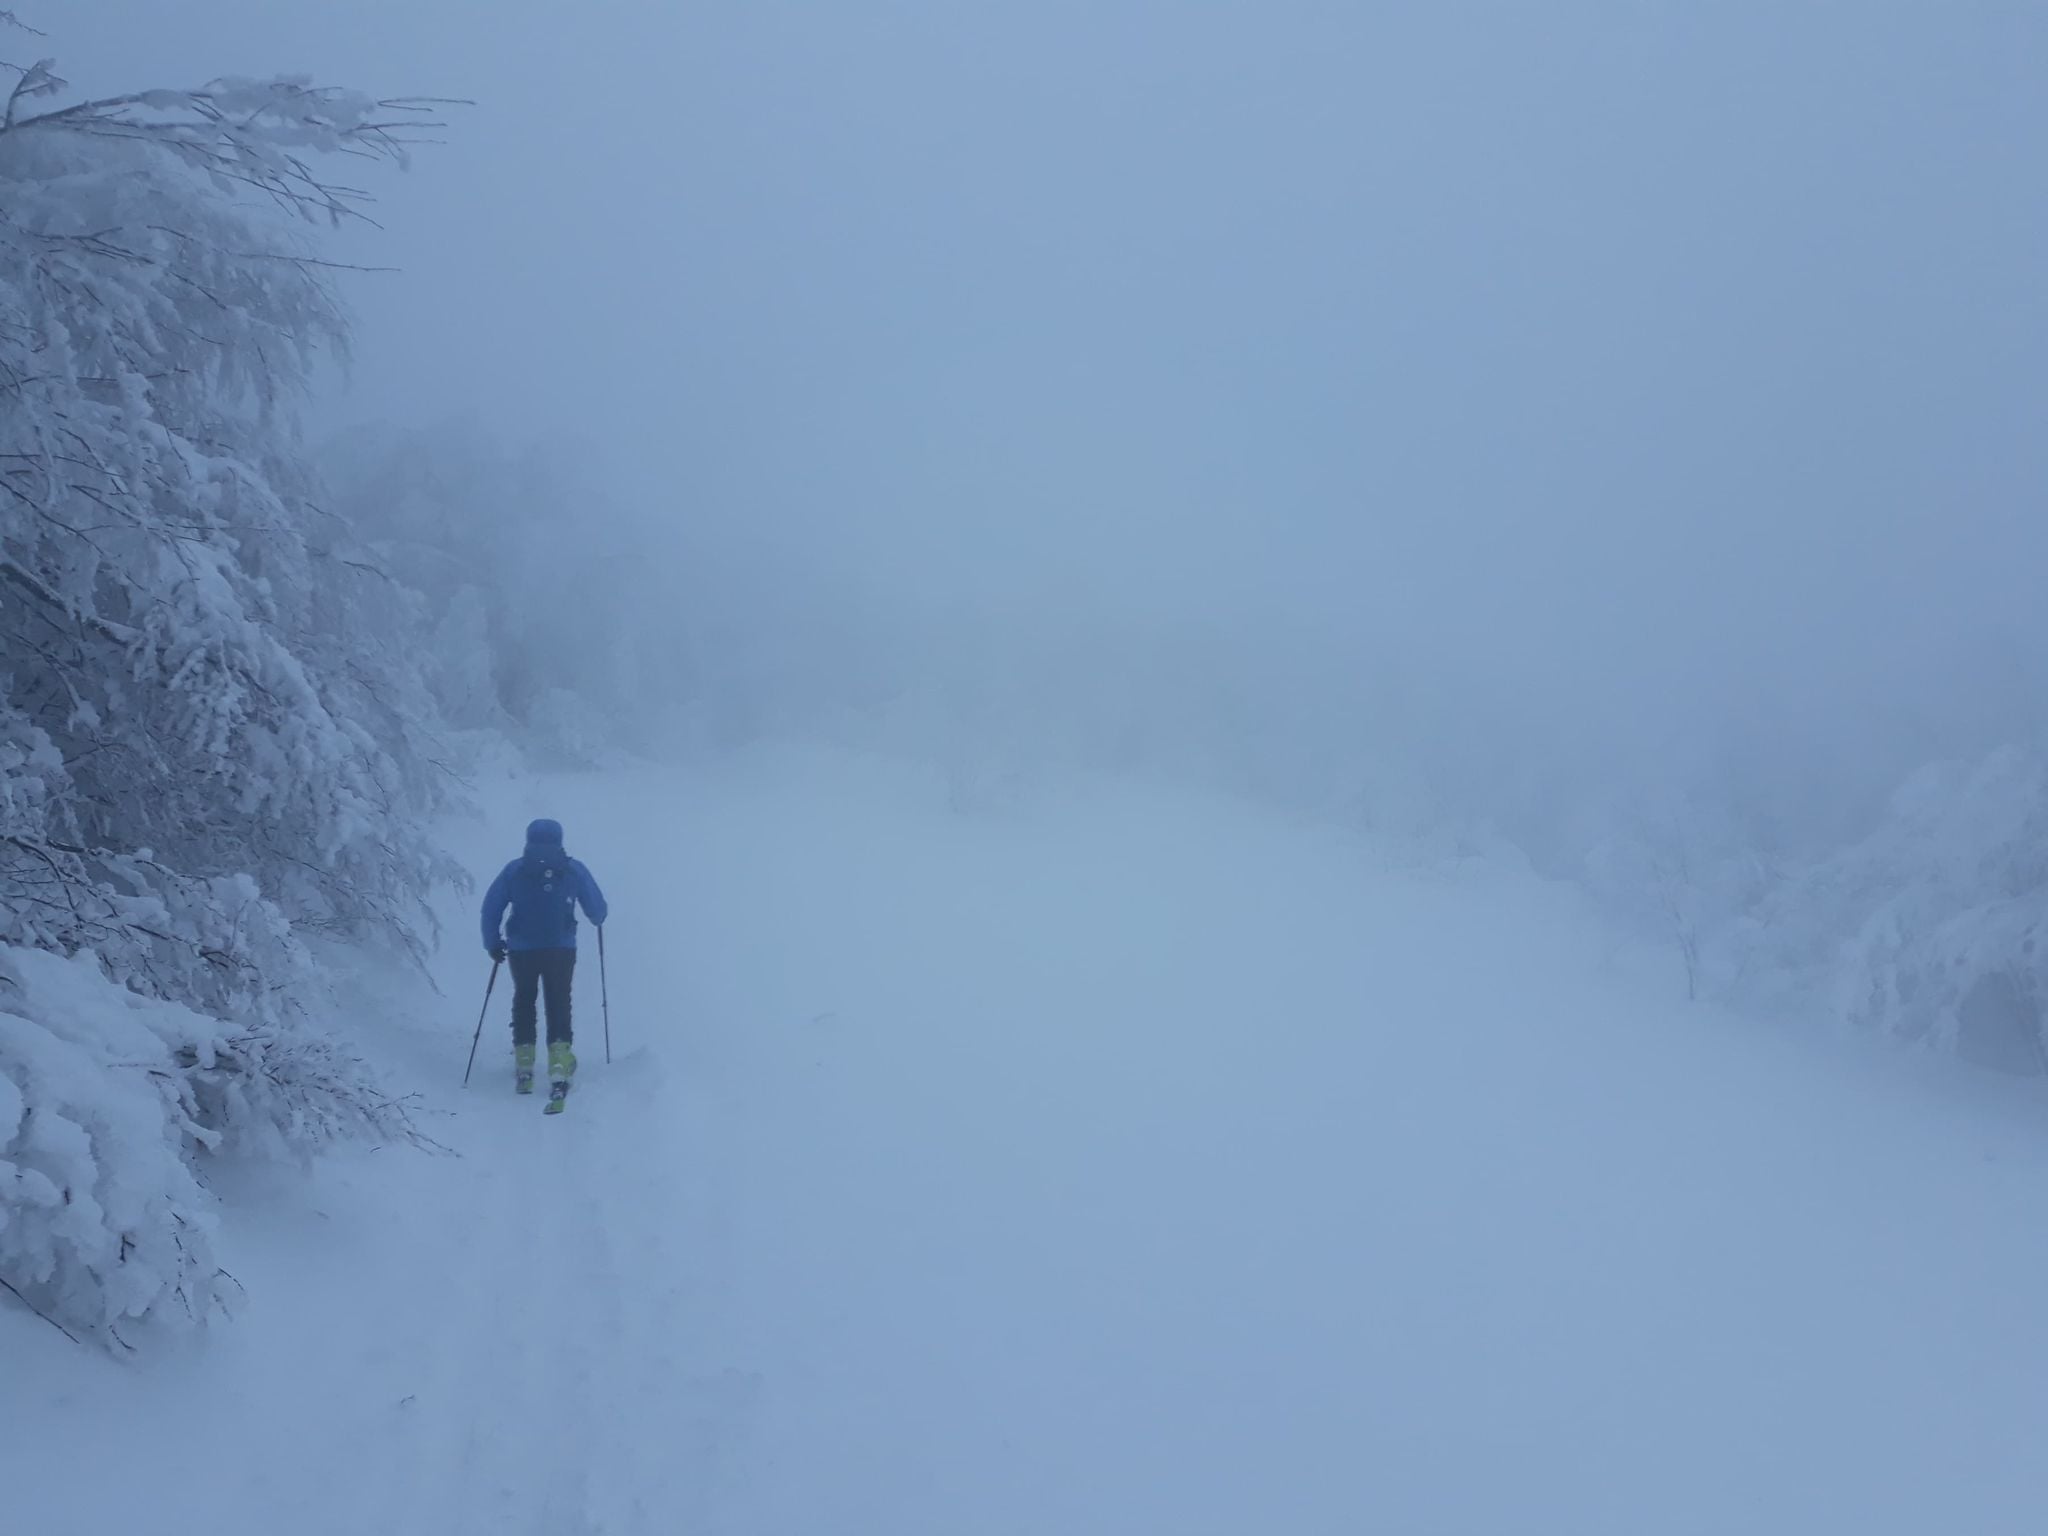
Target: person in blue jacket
542, 888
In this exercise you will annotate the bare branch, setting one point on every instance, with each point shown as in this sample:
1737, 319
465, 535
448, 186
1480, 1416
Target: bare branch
39, 1312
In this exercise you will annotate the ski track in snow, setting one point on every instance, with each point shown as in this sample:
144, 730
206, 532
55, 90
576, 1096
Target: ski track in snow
1140, 1167
554, 1387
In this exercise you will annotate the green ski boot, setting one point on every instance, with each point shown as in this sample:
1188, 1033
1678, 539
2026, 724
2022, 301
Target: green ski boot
522, 1068
561, 1067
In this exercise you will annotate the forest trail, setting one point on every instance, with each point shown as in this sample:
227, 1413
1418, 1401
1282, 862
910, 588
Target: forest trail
1124, 1164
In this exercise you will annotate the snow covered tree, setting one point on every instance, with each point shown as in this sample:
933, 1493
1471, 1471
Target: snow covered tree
554, 619
210, 745
1932, 927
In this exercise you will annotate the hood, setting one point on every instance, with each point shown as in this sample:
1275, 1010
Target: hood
544, 839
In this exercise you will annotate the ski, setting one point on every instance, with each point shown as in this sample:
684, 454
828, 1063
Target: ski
558, 1095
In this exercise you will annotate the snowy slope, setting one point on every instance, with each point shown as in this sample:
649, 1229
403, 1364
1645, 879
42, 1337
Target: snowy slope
1134, 1166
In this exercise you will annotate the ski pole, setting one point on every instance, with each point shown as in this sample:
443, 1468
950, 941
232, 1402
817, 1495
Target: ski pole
480, 1022
604, 990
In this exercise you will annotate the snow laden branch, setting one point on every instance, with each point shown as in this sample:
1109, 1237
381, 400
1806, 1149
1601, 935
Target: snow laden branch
260, 134
215, 745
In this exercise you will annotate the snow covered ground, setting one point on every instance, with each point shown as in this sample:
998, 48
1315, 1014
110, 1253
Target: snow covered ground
1129, 1164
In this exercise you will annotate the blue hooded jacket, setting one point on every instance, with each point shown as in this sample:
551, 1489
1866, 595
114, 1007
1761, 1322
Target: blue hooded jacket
542, 887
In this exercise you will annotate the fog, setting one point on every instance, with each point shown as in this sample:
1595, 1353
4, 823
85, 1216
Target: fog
1653, 393
1302, 719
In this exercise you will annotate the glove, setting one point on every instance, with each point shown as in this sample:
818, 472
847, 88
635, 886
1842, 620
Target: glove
498, 954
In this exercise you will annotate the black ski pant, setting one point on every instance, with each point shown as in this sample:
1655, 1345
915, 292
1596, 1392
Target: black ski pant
535, 971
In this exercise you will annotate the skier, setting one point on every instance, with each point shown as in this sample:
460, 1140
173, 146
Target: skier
542, 887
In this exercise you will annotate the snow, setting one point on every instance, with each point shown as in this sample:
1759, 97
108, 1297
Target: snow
1129, 1162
